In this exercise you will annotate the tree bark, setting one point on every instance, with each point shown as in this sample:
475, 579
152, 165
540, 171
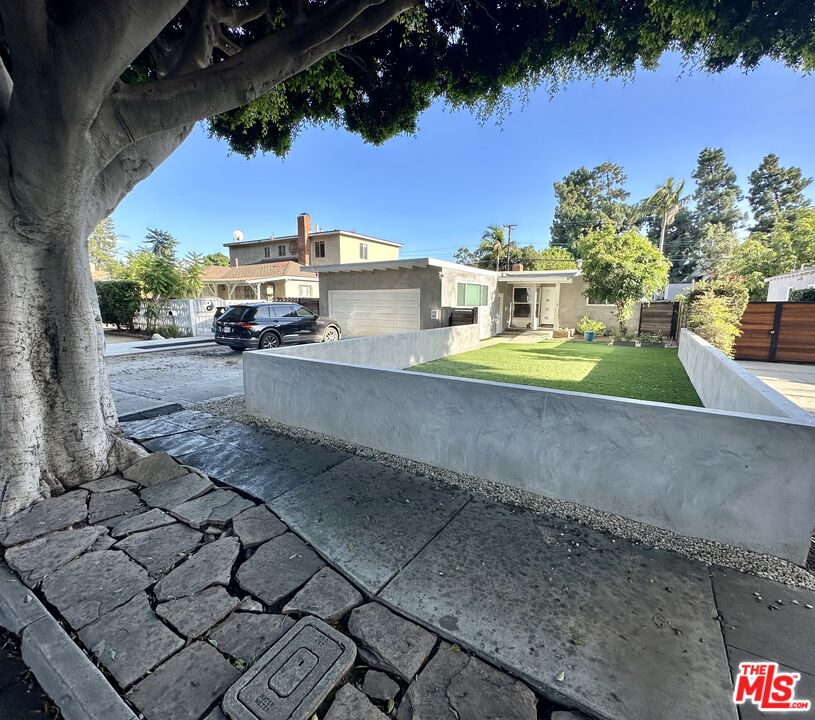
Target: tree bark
57, 421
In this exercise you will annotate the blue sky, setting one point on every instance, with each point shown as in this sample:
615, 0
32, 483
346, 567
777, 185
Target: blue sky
438, 190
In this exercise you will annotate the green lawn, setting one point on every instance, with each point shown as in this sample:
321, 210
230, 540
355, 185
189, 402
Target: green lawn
642, 373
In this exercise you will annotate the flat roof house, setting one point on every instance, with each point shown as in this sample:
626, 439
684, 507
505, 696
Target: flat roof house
779, 286
388, 296
273, 267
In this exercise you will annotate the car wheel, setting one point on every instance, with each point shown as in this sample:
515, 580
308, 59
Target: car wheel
269, 340
331, 334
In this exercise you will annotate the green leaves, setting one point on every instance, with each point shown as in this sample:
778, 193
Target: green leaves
621, 269
476, 54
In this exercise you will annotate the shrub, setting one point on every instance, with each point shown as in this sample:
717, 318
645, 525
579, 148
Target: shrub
586, 324
803, 295
714, 310
169, 331
651, 338
119, 301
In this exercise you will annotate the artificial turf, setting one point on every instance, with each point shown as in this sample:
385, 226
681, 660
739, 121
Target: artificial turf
653, 374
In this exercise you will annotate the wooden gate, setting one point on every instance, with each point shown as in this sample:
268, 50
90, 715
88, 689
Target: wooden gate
660, 318
777, 332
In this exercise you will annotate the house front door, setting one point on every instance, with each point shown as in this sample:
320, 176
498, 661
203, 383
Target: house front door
548, 305
522, 300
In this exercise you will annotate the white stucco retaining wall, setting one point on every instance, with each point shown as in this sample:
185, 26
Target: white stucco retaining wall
395, 350
723, 384
738, 479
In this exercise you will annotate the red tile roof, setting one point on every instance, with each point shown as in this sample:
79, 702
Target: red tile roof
257, 271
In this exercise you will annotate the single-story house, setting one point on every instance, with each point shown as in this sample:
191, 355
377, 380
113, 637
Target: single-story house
375, 298
779, 286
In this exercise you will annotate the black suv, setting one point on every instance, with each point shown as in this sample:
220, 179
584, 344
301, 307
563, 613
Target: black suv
269, 325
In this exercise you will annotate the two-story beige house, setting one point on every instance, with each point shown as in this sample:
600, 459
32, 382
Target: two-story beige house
273, 267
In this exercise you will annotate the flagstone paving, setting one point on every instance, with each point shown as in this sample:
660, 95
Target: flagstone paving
580, 620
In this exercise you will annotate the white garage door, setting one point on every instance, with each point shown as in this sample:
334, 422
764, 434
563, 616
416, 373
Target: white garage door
375, 312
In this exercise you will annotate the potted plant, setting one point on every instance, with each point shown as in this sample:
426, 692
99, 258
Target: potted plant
590, 328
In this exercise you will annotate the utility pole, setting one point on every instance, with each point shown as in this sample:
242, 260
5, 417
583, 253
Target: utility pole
509, 227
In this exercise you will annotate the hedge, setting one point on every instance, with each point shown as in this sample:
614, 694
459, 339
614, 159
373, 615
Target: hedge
119, 301
802, 295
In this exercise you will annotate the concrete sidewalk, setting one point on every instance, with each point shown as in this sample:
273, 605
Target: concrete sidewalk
796, 382
138, 347
619, 630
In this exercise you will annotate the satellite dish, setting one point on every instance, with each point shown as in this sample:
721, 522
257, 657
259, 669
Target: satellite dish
237, 235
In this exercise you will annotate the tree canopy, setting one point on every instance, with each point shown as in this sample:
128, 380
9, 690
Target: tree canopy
586, 200
621, 269
774, 191
216, 258
103, 245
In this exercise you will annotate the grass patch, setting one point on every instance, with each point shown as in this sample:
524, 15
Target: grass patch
653, 374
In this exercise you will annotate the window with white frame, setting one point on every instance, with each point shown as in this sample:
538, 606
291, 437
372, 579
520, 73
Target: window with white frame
471, 294
319, 249
304, 290
281, 250
363, 251
596, 301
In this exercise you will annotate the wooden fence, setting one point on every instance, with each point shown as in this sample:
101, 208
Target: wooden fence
311, 303
463, 316
661, 318
777, 332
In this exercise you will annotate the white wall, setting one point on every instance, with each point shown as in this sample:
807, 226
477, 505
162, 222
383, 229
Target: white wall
192, 317
778, 288
724, 385
734, 478
396, 350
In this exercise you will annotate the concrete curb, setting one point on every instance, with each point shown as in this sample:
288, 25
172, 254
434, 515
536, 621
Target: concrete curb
62, 669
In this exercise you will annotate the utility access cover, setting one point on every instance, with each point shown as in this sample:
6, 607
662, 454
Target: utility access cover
293, 677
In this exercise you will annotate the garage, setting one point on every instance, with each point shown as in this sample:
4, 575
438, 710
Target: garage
375, 312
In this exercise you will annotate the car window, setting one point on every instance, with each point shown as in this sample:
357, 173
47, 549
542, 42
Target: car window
234, 313
286, 310
263, 313
303, 312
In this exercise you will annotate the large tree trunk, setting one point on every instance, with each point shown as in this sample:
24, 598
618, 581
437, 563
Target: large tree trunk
58, 425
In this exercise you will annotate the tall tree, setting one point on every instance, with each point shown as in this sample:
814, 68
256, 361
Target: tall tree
774, 191
554, 258
621, 269
102, 246
94, 95
666, 201
494, 244
216, 258
789, 243
681, 242
161, 243
717, 193
586, 199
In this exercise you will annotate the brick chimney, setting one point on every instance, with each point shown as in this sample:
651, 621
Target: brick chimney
517, 267
303, 231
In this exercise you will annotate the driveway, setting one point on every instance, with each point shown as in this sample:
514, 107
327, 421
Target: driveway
144, 382
795, 382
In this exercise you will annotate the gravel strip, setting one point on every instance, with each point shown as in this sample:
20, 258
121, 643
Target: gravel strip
707, 551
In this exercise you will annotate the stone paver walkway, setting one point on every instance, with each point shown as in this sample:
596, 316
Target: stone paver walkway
146, 382
598, 623
190, 583
795, 382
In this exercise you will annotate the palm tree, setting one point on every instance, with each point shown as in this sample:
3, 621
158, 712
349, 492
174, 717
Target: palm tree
666, 201
494, 241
